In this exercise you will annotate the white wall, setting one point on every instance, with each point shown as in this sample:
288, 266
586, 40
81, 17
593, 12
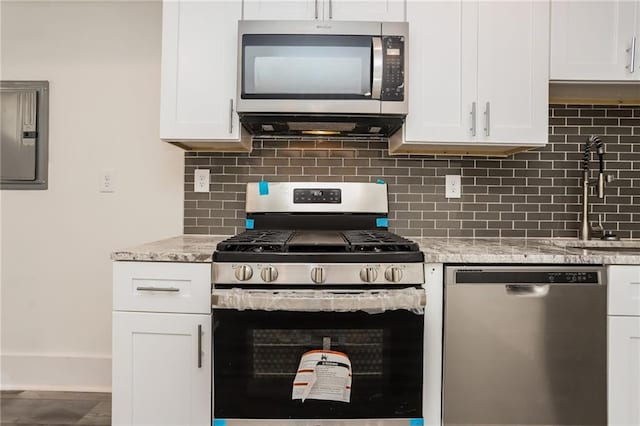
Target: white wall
102, 60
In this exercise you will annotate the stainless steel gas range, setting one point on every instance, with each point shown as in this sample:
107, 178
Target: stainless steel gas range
319, 312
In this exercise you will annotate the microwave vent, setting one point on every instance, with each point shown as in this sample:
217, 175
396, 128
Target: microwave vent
319, 125
344, 125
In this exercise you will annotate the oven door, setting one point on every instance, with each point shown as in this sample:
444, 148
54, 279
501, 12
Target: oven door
257, 354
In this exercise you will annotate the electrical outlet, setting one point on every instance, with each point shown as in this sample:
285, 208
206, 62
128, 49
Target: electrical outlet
201, 180
453, 186
107, 181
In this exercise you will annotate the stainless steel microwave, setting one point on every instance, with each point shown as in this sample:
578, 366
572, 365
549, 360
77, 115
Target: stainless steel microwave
322, 68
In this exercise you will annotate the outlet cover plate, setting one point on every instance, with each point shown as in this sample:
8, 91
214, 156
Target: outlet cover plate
453, 185
201, 180
107, 180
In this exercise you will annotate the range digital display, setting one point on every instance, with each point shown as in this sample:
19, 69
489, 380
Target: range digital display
317, 196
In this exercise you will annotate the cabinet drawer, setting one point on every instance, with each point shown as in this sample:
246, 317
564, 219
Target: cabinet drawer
624, 290
162, 287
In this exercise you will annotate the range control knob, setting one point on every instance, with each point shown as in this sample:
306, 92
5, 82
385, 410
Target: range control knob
269, 274
318, 275
393, 274
368, 274
243, 272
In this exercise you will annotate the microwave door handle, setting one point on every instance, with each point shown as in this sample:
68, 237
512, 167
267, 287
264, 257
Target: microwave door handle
376, 80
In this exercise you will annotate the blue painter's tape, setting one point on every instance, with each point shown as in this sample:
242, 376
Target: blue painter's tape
416, 422
380, 181
382, 222
248, 223
219, 422
263, 187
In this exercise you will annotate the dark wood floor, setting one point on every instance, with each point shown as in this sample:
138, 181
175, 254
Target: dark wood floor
54, 408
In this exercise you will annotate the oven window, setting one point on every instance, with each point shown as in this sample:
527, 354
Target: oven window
306, 66
256, 356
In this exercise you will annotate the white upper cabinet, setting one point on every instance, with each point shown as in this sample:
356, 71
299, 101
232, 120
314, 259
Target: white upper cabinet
442, 71
199, 63
513, 71
593, 40
282, 9
339, 10
478, 77
364, 10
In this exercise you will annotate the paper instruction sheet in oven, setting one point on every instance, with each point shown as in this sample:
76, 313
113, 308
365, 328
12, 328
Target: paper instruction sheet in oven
323, 374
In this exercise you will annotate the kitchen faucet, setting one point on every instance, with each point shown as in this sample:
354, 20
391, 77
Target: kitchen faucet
585, 225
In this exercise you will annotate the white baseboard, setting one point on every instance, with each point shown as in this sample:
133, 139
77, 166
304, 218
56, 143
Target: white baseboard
55, 372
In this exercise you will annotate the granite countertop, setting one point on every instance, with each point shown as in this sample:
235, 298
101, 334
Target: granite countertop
183, 248
517, 250
199, 248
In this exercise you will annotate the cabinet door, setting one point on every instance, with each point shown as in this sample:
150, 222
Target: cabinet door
442, 70
364, 10
199, 62
158, 377
624, 290
589, 39
513, 71
282, 9
624, 371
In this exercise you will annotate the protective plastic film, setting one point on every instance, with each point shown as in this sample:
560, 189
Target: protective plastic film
371, 301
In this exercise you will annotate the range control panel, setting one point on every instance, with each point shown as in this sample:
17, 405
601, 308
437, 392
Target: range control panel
317, 196
393, 69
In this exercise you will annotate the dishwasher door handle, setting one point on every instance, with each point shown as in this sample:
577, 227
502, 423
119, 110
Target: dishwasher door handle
527, 290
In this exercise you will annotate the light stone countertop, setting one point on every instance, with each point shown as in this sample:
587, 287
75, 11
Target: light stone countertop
183, 248
199, 248
518, 250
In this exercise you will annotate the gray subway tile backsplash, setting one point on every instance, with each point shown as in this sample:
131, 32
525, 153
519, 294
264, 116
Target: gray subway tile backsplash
534, 194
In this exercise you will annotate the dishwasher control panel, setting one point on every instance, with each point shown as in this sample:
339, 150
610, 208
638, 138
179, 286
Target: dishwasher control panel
526, 275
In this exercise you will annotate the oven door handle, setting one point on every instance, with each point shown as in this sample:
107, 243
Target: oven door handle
372, 301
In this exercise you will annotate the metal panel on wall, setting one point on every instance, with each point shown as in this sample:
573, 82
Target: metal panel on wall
24, 137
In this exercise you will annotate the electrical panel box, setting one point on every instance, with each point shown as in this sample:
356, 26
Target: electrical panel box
24, 119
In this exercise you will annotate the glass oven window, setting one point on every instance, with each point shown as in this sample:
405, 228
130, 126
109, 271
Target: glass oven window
306, 66
275, 352
256, 356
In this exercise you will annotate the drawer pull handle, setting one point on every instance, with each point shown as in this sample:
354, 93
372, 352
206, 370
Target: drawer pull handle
171, 289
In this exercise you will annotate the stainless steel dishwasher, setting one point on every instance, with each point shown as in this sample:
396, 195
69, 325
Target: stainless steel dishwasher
525, 345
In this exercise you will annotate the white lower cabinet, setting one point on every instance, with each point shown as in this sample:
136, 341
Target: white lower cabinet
624, 371
161, 366
159, 376
624, 345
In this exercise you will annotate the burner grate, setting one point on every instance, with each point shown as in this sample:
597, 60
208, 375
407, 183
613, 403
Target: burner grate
257, 241
281, 241
378, 241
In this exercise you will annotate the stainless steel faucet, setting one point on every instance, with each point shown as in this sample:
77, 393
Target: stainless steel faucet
585, 224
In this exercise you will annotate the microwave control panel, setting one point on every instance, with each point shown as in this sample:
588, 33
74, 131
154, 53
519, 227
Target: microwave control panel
393, 69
